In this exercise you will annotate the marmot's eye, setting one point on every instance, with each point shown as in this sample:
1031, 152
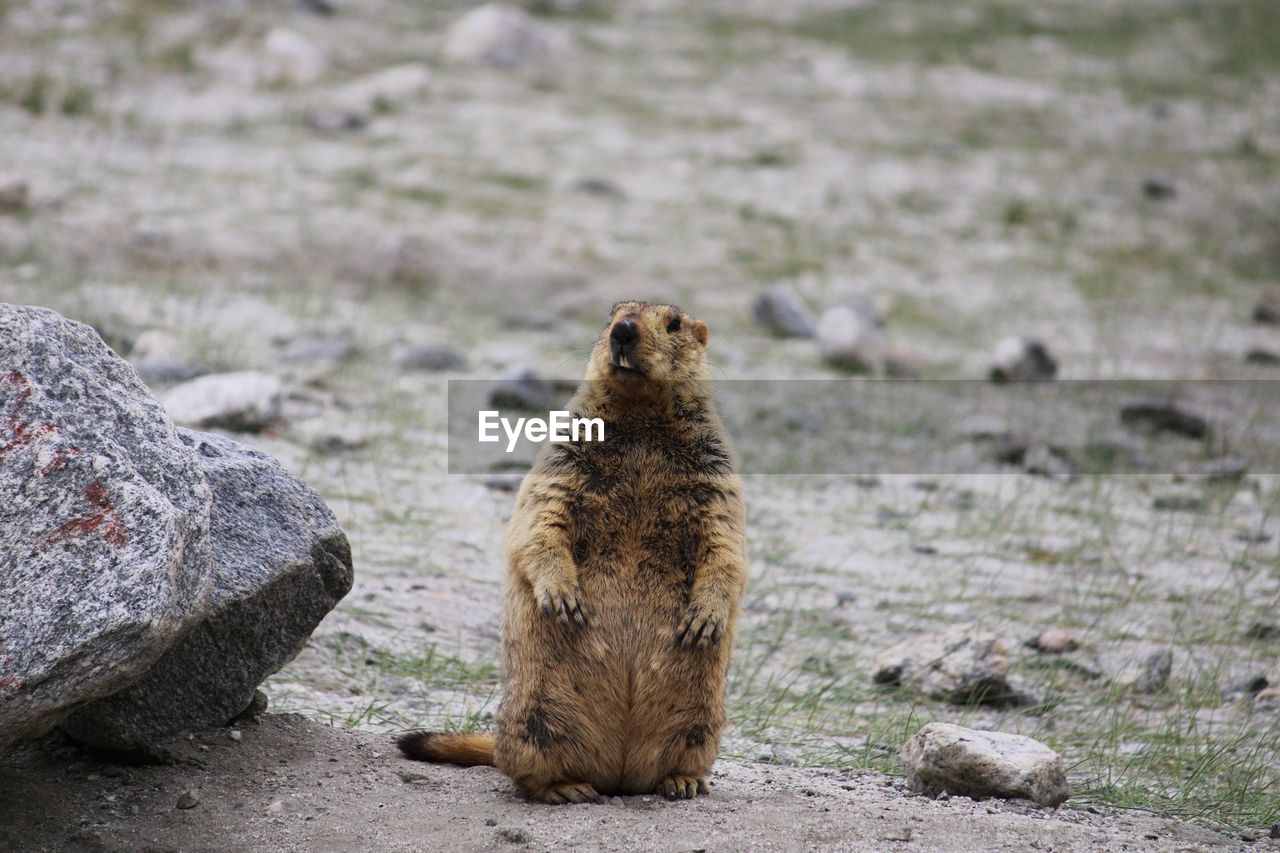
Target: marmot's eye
674, 325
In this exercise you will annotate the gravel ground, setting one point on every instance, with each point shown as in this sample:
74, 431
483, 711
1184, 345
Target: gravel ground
289, 784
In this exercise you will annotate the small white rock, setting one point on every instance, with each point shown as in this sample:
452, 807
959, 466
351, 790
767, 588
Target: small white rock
275, 807
291, 57
943, 757
248, 401
850, 341
504, 36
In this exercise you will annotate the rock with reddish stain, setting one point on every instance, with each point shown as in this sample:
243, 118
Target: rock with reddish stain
104, 523
282, 564
150, 577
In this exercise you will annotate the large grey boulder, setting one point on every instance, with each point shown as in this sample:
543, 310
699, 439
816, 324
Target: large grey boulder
150, 577
942, 757
282, 564
961, 664
104, 523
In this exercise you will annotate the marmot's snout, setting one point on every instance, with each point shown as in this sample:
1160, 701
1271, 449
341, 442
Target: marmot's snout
623, 339
659, 344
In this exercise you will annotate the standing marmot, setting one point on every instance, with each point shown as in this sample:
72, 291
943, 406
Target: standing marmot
627, 559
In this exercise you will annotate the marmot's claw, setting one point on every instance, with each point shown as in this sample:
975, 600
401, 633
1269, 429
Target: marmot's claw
699, 629
564, 604
681, 788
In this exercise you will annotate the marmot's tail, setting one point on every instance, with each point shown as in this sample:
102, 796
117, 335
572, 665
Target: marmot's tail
465, 750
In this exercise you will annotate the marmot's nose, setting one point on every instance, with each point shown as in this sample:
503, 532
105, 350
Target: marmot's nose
625, 332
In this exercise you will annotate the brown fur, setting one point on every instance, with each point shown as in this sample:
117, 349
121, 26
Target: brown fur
627, 560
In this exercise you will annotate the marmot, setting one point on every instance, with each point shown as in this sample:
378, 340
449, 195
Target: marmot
626, 564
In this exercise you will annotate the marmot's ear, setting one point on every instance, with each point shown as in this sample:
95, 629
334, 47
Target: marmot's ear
699, 331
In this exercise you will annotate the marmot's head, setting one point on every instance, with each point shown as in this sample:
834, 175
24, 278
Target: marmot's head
659, 343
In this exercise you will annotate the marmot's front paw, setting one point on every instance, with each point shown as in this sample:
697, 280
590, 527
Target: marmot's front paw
701, 626
562, 601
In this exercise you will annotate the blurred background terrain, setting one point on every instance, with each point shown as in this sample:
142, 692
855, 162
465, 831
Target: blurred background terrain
361, 198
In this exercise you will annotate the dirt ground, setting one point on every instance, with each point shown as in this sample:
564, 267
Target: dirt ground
290, 784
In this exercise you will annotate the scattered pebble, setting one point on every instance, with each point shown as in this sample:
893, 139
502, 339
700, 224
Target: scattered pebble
1155, 672
503, 481
331, 435
603, 187
1164, 416
256, 708
1022, 359
335, 120
503, 36
1262, 356
430, 357
1251, 687
961, 664
981, 427
901, 362
289, 57
1267, 309
1225, 469
1178, 502
188, 800
1268, 698
849, 341
14, 193
525, 391
1263, 631
274, 807
1046, 461
1159, 187
235, 735
1055, 641
781, 311
313, 348
903, 834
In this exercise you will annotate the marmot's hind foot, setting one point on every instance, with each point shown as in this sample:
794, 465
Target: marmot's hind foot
682, 788
559, 793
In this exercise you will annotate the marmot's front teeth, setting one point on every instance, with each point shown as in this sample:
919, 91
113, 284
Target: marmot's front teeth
623, 361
